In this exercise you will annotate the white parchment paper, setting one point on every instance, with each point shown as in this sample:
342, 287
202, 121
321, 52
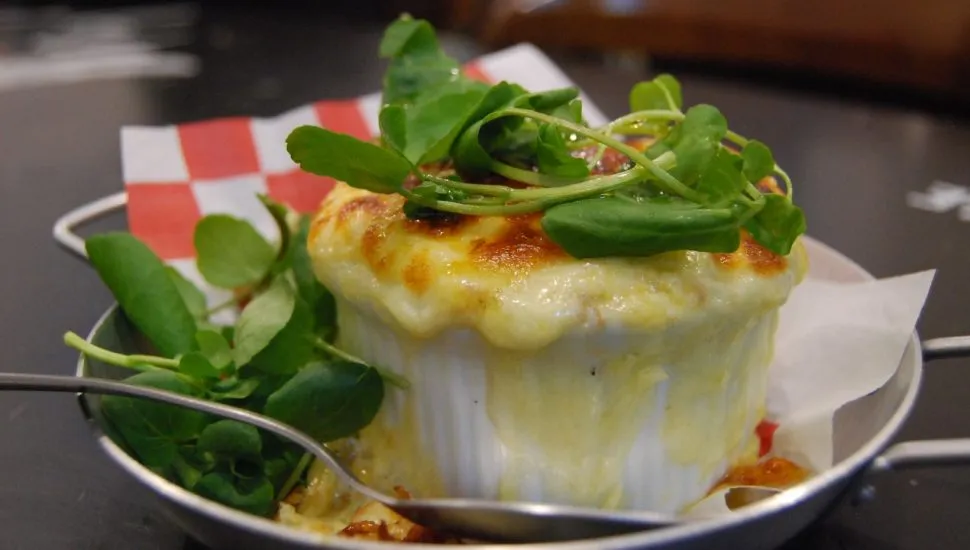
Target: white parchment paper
836, 342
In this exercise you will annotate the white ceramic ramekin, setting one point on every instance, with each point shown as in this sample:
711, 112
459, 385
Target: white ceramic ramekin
609, 418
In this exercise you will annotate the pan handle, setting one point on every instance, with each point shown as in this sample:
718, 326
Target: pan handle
946, 348
918, 454
65, 225
933, 452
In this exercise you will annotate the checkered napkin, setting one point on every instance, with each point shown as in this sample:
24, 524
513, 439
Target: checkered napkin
174, 175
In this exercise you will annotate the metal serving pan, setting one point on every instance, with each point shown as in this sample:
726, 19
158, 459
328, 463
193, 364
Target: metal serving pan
863, 430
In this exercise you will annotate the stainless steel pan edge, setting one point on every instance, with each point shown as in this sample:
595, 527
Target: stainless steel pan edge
936, 452
780, 517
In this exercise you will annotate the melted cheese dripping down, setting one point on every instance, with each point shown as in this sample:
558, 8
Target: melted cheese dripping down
612, 419
566, 428
650, 426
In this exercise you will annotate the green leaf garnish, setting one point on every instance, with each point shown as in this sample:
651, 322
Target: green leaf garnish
292, 346
617, 227
188, 467
279, 357
154, 430
214, 347
553, 156
191, 295
144, 289
430, 114
230, 440
347, 159
721, 181
196, 365
316, 296
249, 495
328, 400
758, 161
262, 320
231, 253
695, 142
424, 130
663, 92
234, 388
417, 62
282, 216
469, 154
778, 224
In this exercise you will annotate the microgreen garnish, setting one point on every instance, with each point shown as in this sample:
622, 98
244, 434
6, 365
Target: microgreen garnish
278, 359
687, 191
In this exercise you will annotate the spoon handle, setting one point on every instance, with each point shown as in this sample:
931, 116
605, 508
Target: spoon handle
52, 383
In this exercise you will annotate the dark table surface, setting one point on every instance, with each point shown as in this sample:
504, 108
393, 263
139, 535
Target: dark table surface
59, 148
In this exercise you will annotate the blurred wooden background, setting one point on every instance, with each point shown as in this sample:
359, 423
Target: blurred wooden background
917, 45
911, 51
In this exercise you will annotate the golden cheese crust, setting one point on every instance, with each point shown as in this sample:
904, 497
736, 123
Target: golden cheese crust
505, 277
395, 246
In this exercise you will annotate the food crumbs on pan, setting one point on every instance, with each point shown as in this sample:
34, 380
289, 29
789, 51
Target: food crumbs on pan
774, 472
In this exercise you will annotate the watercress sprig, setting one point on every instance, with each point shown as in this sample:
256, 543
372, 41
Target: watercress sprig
694, 170
279, 358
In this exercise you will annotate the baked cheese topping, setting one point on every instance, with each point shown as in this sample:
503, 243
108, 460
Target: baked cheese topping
503, 277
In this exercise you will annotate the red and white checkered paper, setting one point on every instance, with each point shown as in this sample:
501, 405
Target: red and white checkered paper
176, 174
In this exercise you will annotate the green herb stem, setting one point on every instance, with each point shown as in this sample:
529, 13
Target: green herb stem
753, 209
118, 359
485, 201
741, 141
223, 306
597, 156
529, 177
754, 203
789, 189
580, 143
295, 476
640, 117
736, 138
500, 191
667, 95
534, 200
476, 210
390, 376
667, 181
327, 347
753, 192
592, 186
627, 124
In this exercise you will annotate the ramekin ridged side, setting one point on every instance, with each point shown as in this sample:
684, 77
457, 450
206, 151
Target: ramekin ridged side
610, 417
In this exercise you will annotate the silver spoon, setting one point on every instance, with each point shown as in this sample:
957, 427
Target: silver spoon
470, 518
